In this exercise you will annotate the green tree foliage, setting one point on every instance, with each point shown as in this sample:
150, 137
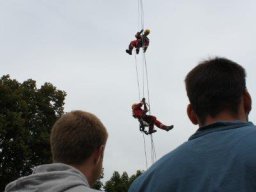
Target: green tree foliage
26, 116
133, 177
98, 184
120, 183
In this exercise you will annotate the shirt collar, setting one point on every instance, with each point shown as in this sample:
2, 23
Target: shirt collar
219, 126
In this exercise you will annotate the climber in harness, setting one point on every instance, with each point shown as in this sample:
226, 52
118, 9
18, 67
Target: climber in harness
147, 120
141, 41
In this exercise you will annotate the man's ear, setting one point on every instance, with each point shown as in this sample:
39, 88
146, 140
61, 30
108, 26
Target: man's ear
191, 114
99, 153
247, 102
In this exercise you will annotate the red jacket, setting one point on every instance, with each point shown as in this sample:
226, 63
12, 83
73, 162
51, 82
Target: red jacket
137, 111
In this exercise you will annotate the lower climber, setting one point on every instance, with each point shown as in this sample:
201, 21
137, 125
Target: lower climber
147, 120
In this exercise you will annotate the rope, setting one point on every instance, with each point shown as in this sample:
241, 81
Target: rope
141, 13
139, 16
153, 150
146, 69
138, 82
145, 150
144, 77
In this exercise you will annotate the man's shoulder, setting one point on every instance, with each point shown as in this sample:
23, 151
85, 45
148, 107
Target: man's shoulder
82, 189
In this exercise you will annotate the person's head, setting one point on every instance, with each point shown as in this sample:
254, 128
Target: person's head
134, 106
79, 138
146, 32
215, 86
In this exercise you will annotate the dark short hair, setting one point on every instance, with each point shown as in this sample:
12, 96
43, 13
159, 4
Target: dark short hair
75, 136
215, 85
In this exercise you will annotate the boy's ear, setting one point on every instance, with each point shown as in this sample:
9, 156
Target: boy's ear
191, 114
247, 102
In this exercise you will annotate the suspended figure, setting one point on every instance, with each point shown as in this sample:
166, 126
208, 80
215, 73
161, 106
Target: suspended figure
142, 41
147, 120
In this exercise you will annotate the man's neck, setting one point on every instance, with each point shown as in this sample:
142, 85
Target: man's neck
224, 116
85, 170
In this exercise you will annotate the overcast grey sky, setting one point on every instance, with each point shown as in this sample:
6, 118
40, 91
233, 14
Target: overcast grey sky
79, 46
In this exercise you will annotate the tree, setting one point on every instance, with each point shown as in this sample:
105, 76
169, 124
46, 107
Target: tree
98, 184
133, 177
121, 183
26, 117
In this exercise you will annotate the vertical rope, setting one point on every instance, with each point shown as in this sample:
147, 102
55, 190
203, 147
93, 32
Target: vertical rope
146, 70
138, 81
145, 78
142, 14
153, 150
145, 151
139, 16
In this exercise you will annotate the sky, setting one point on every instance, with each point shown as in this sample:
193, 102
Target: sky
79, 47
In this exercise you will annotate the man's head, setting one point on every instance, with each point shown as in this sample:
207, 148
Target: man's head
215, 86
77, 137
